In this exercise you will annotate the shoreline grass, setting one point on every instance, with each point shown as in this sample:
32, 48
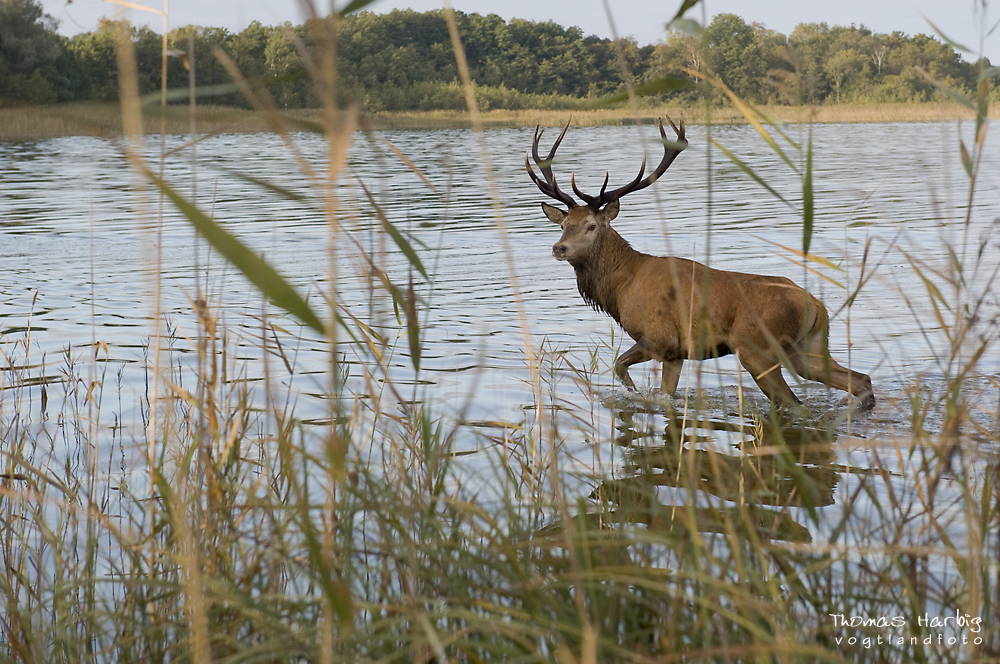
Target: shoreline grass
34, 123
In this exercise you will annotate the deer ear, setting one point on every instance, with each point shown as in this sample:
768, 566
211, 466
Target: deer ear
555, 215
610, 211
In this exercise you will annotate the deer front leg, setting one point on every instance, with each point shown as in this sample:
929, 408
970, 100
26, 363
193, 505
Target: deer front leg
671, 376
633, 355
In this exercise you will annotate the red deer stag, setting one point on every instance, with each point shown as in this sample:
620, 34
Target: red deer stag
676, 309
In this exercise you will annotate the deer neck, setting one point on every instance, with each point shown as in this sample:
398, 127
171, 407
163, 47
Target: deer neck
601, 274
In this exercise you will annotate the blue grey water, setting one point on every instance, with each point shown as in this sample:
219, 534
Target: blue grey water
70, 230
78, 258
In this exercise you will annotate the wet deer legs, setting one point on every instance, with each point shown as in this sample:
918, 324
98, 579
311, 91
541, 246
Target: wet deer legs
639, 353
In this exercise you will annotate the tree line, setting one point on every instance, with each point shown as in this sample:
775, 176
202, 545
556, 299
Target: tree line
818, 64
403, 60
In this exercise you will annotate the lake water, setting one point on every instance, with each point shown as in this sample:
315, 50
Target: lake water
71, 239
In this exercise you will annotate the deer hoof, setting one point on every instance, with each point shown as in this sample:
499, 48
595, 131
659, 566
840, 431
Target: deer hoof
627, 382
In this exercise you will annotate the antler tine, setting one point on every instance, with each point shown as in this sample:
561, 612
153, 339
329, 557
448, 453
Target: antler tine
546, 164
534, 178
589, 200
555, 146
549, 187
593, 202
534, 144
631, 186
669, 154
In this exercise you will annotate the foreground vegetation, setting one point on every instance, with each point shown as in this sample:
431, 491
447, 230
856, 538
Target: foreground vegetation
237, 532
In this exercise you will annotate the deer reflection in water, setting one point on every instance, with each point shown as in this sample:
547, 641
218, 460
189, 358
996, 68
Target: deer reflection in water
756, 467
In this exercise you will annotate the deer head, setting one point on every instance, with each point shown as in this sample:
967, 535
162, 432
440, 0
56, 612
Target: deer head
583, 229
584, 225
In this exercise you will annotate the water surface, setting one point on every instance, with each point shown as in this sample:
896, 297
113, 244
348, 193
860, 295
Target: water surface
74, 238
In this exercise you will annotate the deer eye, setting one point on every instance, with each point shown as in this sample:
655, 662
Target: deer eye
591, 227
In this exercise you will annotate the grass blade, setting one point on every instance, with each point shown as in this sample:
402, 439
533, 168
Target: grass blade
988, 73
394, 233
807, 198
409, 164
660, 85
270, 186
253, 267
825, 262
751, 114
355, 5
687, 26
954, 44
686, 5
412, 324
816, 272
966, 159
749, 171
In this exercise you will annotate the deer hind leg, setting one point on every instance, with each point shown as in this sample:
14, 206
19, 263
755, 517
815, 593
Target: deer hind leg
671, 376
766, 372
820, 366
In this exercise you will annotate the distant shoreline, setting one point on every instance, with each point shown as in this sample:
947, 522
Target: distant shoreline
34, 123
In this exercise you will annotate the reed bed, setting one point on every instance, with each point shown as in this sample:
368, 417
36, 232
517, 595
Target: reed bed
696, 115
21, 124
29, 123
228, 530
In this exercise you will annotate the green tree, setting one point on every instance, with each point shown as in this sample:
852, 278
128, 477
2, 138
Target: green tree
247, 48
733, 52
28, 48
844, 66
208, 70
148, 45
679, 55
485, 39
283, 62
95, 52
808, 44
877, 50
404, 60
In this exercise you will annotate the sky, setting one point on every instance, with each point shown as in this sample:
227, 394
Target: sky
644, 20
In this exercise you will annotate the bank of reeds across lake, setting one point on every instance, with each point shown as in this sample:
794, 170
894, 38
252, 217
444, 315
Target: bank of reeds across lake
31, 123
695, 114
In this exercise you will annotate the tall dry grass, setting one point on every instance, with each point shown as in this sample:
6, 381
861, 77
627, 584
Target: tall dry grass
22, 124
694, 115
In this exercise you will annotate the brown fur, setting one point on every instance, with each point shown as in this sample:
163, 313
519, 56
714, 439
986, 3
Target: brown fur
676, 309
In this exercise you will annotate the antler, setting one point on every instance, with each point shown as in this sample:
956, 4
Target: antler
669, 154
549, 187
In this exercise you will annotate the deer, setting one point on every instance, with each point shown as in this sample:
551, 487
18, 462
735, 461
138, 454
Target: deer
676, 309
